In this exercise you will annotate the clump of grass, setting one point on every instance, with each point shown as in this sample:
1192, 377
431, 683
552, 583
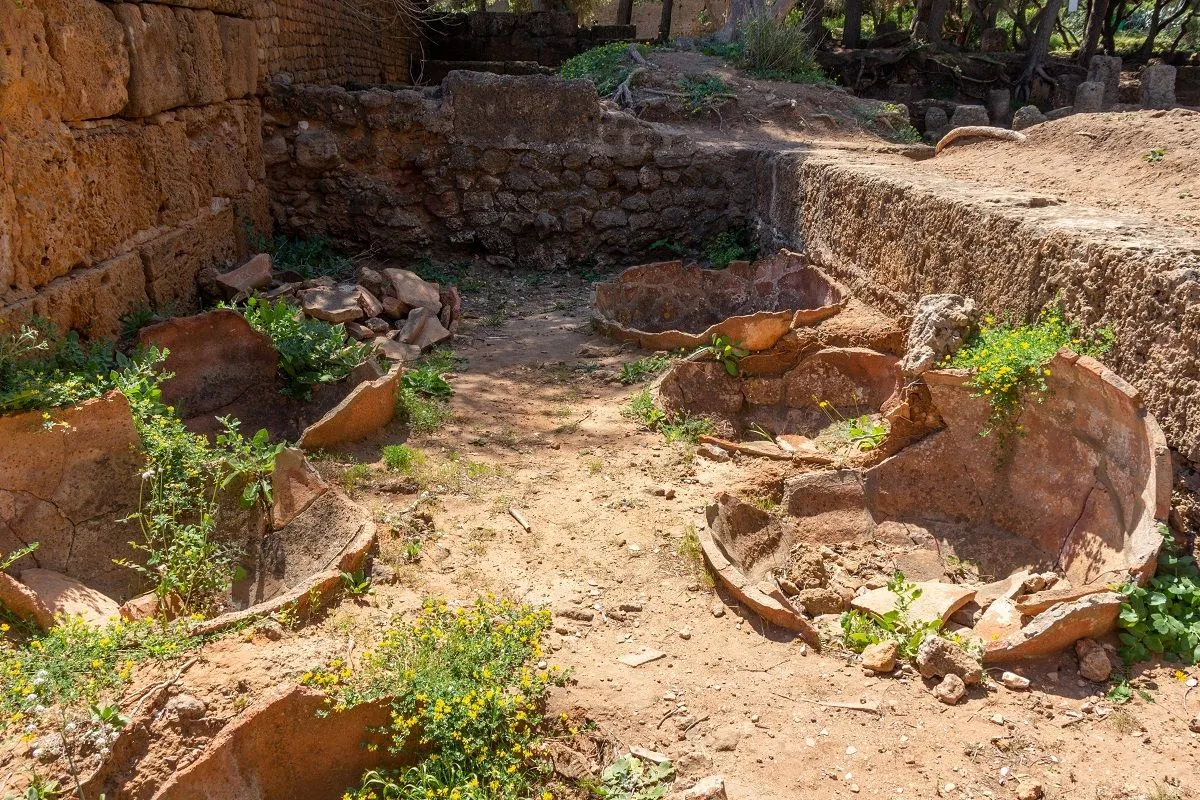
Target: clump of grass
402, 458
644, 368
691, 553
778, 51
860, 629
605, 66
1008, 363
354, 476
673, 427
422, 402
465, 695
308, 257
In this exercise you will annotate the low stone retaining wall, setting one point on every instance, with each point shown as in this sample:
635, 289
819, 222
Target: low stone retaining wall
526, 171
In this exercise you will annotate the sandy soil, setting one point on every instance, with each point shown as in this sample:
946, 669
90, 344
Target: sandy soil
1101, 160
537, 398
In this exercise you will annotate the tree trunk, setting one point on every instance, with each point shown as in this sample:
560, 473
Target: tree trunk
738, 11
1091, 36
1186, 26
937, 19
664, 23
852, 33
624, 12
814, 31
1040, 44
1157, 26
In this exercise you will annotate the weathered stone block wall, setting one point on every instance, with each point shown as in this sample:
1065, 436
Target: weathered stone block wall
130, 154
892, 235
331, 42
524, 170
547, 37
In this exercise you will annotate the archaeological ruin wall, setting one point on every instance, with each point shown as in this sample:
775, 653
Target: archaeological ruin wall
526, 171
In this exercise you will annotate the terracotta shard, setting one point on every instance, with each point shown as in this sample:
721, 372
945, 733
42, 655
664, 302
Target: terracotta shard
937, 601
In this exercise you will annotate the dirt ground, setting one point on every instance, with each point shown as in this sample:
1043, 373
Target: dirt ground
609, 506
1144, 162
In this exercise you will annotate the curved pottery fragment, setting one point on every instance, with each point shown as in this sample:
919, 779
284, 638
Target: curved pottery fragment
667, 305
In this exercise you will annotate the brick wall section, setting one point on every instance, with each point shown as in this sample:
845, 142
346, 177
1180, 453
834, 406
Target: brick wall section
546, 37
130, 151
325, 42
523, 170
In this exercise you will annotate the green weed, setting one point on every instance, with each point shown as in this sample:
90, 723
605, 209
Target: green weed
727, 246
1008, 363
629, 778
309, 258
605, 66
465, 696
1155, 155
1163, 618
673, 427
311, 351
704, 93
722, 349
421, 401
778, 51
644, 368
860, 629
401, 458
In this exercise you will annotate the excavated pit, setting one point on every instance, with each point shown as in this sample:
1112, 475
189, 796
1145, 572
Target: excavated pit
668, 305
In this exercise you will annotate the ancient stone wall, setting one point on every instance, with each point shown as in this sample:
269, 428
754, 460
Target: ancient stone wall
332, 41
524, 170
130, 154
891, 236
546, 37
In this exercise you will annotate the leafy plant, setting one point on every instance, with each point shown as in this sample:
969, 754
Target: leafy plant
412, 551
311, 351
16, 555
865, 433
629, 778
705, 92
309, 258
605, 66
465, 695
248, 461
40, 369
673, 427
1163, 618
860, 629
1155, 155
727, 246
728, 353
421, 401
643, 368
356, 583
445, 272
666, 244
1008, 363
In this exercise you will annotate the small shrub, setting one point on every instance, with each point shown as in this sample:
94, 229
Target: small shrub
1163, 618
424, 390
1008, 363
860, 430
465, 696
605, 66
448, 273
629, 778
644, 368
778, 51
727, 246
354, 476
311, 351
1155, 155
704, 92
726, 352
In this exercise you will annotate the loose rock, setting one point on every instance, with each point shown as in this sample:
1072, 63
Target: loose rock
1093, 660
942, 323
1014, 681
880, 657
710, 788
937, 657
950, 690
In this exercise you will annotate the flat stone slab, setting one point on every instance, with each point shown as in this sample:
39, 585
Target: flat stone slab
1057, 628
644, 657
63, 594
937, 601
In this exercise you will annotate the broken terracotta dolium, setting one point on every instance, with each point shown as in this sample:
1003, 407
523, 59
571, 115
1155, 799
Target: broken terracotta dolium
667, 305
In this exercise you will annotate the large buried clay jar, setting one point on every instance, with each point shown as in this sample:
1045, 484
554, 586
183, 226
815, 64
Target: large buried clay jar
668, 305
1080, 494
69, 487
220, 366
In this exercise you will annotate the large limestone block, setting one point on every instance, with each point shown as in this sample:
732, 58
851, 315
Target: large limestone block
173, 260
64, 595
90, 301
202, 59
1106, 70
1158, 86
239, 47
156, 78
88, 44
30, 80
